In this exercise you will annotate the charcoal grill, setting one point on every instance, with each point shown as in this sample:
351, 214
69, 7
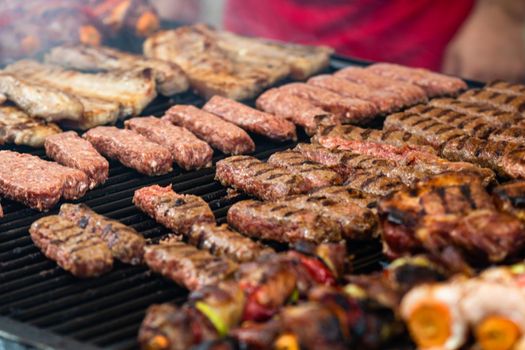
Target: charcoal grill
44, 307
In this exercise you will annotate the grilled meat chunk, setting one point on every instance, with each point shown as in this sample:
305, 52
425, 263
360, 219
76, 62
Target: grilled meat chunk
510, 197
507, 87
225, 136
70, 150
169, 78
507, 102
251, 119
259, 179
222, 241
131, 149
376, 184
178, 212
126, 244
187, 150
282, 223
348, 110
318, 175
73, 248
347, 195
40, 101
19, 128
299, 111
434, 84
186, 265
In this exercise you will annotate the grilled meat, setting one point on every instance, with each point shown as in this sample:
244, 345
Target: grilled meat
510, 197
222, 241
281, 222
507, 102
70, 150
133, 91
186, 265
19, 128
259, 179
96, 112
434, 84
177, 212
225, 136
507, 87
346, 195
377, 185
169, 78
187, 150
131, 149
126, 244
298, 110
40, 101
251, 119
348, 110
73, 248
318, 175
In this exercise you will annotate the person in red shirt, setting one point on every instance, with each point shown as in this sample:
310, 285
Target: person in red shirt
474, 39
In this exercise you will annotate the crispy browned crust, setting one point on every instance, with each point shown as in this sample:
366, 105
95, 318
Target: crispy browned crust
508, 102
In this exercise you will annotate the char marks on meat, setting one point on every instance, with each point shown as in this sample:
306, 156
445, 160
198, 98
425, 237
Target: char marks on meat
506, 101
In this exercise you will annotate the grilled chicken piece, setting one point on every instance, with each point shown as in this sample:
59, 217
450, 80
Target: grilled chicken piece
73, 248
507, 102
40, 101
169, 78
19, 128
133, 90
510, 197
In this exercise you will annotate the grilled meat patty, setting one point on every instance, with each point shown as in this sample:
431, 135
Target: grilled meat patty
259, 179
70, 150
177, 212
73, 248
251, 119
126, 244
187, 150
220, 134
131, 149
505, 101
510, 197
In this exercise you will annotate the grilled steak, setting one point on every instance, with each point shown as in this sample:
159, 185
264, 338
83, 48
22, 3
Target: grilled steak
131, 149
222, 241
434, 84
40, 101
348, 110
318, 175
133, 90
225, 136
298, 110
186, 265
70, 150
251, 119
126, 244
282, 223
169, 78
507, 102
73, 248
510, 197
187, 150
259, 179
178, 212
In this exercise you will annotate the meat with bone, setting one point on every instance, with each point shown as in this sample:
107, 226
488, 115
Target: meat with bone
222, 241
281, 222
223, 135
506, 87
259, 179
73, 248
409, 93
318, 175
187, 150
186, 265
126, 244
132, 90
510, 197
131, 149
70, 150
39, 100
386, 101
347, 110
177, 212
434, 84
505, 101
299, 111
17, 127
250, 119
169, 78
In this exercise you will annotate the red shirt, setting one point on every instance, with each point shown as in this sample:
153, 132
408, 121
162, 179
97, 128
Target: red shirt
410, 32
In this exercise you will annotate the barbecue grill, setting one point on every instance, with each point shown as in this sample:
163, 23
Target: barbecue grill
43, 306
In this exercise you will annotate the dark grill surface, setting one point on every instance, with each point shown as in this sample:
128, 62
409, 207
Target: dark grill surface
44, 306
